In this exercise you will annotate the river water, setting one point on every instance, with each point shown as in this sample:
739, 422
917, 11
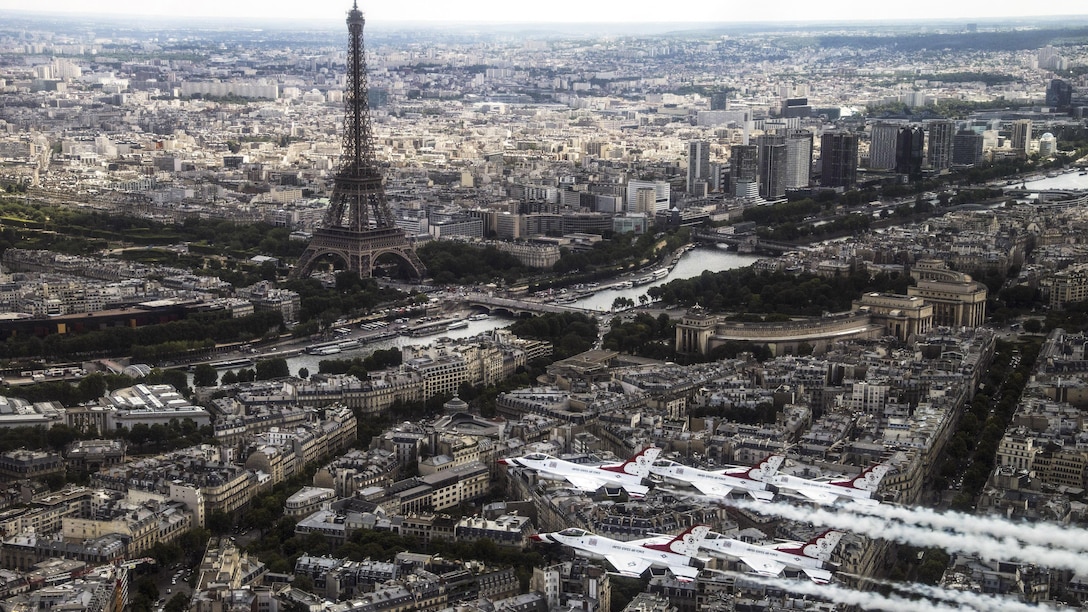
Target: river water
692, 263
1066, 180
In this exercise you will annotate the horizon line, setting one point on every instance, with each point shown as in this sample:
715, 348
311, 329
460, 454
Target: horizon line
238, 22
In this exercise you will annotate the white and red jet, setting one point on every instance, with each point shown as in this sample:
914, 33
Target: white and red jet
632, 559
629, 474
751, 480
859, 488
812, 557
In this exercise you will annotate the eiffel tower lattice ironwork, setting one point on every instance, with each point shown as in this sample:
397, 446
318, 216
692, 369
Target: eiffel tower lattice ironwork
358, 226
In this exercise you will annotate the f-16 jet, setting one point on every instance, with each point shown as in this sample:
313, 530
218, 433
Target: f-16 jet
859, 488
632, 559
629, 474
812, 557
752, 480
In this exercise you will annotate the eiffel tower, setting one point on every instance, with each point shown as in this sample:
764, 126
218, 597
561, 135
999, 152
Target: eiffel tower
358, 226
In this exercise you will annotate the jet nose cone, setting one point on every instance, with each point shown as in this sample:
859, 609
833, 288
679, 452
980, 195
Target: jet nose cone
536, 537
505, 461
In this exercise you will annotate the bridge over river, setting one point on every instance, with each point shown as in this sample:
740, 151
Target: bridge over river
744, 243
518, 308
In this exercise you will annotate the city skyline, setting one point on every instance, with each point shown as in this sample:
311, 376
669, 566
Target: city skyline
564, 11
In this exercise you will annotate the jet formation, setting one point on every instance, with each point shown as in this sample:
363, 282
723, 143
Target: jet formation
680, 555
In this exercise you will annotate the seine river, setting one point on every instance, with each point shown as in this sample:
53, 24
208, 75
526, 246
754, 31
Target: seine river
692, 263
1068, 180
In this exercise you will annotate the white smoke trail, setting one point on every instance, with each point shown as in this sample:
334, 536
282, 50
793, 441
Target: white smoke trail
977, 600
986, 547
1043, 534
838, 594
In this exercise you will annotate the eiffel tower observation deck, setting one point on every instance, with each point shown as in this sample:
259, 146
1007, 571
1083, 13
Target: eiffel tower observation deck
358, 226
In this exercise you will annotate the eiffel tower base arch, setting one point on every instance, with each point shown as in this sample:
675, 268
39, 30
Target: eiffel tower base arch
358, 249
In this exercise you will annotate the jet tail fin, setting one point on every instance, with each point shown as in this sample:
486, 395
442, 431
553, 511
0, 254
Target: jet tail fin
686, 543
766, 469
867, 480
819, 547
639, 464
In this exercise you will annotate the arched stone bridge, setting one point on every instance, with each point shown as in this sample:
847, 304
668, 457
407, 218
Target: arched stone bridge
519, 308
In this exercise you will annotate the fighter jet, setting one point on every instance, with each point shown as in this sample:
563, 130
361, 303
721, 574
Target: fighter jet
628, 474
753, 480
826, 491
812, 557
632, 559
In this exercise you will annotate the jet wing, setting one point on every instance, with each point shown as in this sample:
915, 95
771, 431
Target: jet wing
590, 484
684, 572
585, 483
820, 497
820, 576
628, 565
763, 496
763, 565
712, 488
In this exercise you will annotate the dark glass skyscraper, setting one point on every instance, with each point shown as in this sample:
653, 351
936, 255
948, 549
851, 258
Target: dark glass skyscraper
1059, 94
698, 164
744, 169
909, 150
838, 159
967, 148
772, 165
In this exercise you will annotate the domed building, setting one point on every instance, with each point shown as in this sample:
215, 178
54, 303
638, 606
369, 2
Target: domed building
1048, 145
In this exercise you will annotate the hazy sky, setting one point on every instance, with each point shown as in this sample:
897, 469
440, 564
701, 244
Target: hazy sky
564, 10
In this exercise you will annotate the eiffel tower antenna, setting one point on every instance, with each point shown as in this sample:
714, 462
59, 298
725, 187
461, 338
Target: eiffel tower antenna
358, 226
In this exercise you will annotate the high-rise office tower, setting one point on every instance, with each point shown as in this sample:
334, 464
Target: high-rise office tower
1021, 136
941, 133
359, 227
838, 159
882, 141
772, 165
796, 107
798, 158
1059, 94
744, 169
909, 149
967, 148
719, 176
646, 201
698, 164
719, 100
662, 195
